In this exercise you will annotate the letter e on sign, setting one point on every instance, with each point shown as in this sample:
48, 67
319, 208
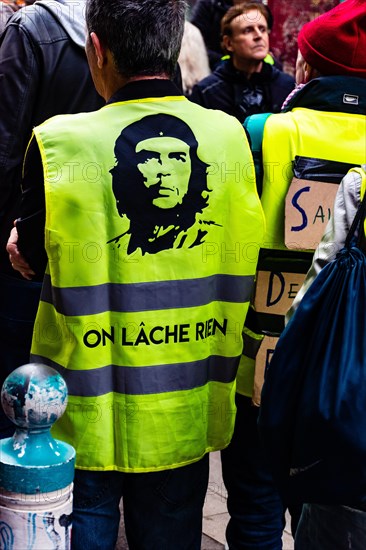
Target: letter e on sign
275, 291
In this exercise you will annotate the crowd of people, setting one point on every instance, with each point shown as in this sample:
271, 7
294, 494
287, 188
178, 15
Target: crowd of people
164, 187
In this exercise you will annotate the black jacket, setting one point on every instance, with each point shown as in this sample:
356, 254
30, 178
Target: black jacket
207, 15
43, 72
229, 90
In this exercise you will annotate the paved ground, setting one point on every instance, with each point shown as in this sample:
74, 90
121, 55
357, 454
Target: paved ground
215, 516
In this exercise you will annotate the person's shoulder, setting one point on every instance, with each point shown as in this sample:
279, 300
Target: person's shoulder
279, 125
38, 23
287, 80
27, 15
352, 183
282, 84
213, 116
280, 77
214, 80
276, 119
67, 121
210, 80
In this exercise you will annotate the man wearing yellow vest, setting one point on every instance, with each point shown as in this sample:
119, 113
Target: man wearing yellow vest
307, 149
151, 223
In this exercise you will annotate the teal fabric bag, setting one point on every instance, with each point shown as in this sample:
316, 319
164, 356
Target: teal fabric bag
312, 418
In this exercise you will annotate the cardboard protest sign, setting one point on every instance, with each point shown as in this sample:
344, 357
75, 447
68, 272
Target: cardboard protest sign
275, 291
308, 208
262, 361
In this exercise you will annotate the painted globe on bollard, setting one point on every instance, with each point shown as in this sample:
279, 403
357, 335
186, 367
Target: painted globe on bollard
36, 470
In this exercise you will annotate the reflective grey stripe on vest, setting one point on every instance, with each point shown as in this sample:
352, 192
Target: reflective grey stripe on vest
135, 297
145, 380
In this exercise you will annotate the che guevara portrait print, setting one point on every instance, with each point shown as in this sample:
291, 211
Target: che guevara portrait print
160, 185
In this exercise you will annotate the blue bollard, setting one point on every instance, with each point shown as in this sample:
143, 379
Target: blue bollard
36, 470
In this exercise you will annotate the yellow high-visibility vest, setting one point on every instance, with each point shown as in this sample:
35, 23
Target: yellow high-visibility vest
311, 134
148, 280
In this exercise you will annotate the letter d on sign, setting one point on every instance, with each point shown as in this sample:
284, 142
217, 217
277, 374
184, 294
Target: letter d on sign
270, 300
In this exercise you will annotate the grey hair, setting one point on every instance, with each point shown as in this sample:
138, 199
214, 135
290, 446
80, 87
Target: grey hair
144, 36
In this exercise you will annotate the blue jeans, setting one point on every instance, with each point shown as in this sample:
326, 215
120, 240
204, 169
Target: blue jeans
162, 510
255, 507
325, 527
18, 307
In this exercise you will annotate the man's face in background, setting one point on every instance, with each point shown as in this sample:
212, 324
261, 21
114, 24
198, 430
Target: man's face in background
249, 40
165, 165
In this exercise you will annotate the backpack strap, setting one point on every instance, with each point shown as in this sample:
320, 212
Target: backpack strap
254, 125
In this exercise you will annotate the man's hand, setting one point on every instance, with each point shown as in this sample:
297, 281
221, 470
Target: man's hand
16, 259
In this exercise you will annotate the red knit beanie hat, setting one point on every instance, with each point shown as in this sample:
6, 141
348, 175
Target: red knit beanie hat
335, 42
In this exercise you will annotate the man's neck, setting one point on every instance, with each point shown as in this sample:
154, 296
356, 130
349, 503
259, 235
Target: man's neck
120, 82
248, 67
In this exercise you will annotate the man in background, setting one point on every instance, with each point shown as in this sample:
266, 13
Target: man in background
206, 16
244, 84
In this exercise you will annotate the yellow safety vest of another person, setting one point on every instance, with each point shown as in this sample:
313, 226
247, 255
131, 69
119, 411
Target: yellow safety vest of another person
153, 227
296, 211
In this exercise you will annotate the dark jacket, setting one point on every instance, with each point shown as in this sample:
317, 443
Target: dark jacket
231, 91
43, 72
207, 15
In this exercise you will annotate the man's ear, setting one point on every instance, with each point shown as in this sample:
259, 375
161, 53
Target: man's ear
99, 50
309, 72
226, 43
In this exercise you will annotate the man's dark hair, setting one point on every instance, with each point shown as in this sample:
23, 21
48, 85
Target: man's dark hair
144, 36
242, 9
133, 198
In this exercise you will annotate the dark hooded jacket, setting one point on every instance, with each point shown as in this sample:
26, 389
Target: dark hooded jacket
231, 91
